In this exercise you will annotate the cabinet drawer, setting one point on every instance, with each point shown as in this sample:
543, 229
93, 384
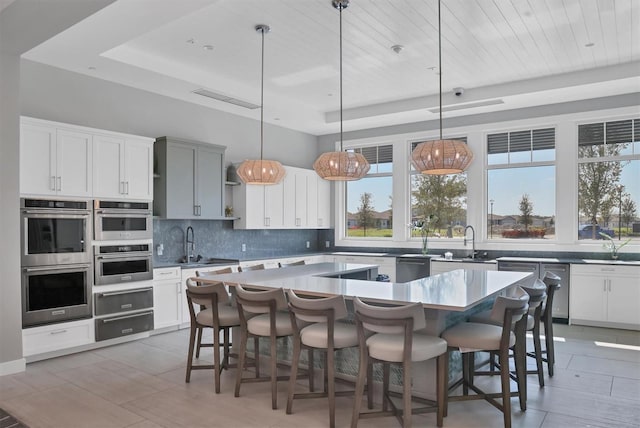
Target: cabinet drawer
38, 340
608, 270
108, 328
111, 302
166, 273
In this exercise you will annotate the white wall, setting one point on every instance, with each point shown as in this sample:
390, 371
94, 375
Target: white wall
51, 93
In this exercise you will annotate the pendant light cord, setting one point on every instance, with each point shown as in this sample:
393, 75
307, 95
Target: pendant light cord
340, 8
262, 102
440, 63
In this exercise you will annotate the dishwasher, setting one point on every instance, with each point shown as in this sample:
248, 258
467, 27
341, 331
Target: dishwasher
560, 310
409, 268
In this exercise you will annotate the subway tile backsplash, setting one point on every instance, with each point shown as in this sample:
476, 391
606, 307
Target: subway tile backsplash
218, 238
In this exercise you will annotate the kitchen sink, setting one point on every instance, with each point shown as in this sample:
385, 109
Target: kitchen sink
201, 261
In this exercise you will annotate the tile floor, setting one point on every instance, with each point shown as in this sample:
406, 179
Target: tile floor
141, 385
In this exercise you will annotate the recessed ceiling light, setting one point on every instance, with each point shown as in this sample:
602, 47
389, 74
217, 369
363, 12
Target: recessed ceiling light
276, 118
589, 45
191, 41
207, 47
397, 48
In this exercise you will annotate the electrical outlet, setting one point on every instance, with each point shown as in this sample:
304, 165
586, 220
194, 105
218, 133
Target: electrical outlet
308, 244
327, 244
244, 247
160, 249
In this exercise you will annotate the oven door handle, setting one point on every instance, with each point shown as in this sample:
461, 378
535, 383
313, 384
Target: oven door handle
125, 317
124, 213
57, 268
125, 256
58, 214
119, 293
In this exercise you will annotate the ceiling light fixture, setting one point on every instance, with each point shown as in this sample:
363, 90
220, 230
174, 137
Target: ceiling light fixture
261, 171
341, 166
441, 157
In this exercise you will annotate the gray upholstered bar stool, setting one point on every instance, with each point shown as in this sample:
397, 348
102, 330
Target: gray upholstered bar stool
227, 341
248, 268
391, 335
298, 263
317, 325
262, 314
552, 282
215, 312
469, 337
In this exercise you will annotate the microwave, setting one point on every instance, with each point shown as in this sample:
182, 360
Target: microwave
55, 232
122, 220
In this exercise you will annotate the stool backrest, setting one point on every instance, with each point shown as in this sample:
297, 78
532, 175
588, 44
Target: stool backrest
248, 268
517, 304
214, 272
260, 302
553, 284
208, 295
537, 293
315, 309
298, 263
413, 311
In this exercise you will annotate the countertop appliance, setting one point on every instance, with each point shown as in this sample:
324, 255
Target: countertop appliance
116, 264
116, 220
410, 268
560, 310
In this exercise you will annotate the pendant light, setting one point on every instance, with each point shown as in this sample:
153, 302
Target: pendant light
341, 166
261, 171
441, 157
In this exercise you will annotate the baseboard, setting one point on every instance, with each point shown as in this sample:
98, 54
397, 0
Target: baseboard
11, 367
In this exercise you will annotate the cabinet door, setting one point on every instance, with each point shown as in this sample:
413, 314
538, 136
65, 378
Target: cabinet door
312, 199
167, 303
588, 297
289, 198
324, 204
274, 206
138, 167
74, 163
37, 159
624, 299
301, 199
181, 181
209, 184
108, 173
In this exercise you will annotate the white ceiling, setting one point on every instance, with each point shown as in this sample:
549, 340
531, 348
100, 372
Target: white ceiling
509, 53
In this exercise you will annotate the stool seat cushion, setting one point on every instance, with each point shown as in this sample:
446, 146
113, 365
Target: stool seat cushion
389, 347
476, 336
260, 325
485, 318
227, 315
315, 335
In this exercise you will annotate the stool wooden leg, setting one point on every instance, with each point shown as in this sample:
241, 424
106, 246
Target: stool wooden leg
537, 346
441, 386
359, 392
445, 397
295, 359
385, 385
311, 370
548, 338
216, 358
332, 388
256, 353
406, 391
520, 361
274, 373
506, 391
192, 338
369, 385
225, 361
241, 358
199, 343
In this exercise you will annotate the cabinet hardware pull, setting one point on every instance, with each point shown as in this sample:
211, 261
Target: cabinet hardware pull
52, 182
126, 317
126, 306
126, 191
119, 293
59, 183
58, 332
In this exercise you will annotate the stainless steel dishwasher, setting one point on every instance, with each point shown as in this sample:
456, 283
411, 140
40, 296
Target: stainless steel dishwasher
409, 268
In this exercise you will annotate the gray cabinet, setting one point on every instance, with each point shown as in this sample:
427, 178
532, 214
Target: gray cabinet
189, 179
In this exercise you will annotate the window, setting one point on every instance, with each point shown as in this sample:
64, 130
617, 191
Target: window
369, 201
521, 188
440, 200
609, 180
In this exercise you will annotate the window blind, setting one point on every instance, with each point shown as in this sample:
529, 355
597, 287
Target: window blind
614, 132
377, 154
520, 141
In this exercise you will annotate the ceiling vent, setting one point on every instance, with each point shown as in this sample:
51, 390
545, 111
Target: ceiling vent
468, 105
225, 98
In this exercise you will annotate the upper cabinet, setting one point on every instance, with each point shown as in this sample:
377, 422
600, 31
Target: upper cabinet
190, 180
58, 159
299, 201
122, 167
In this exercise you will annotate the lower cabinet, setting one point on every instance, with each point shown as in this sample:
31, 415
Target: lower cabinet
605, 295
167, 297
123, 325
440, 266
55, 337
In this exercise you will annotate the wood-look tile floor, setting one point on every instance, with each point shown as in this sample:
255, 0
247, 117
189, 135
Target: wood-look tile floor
141, 385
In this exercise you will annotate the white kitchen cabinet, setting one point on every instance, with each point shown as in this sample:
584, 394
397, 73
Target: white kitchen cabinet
55, 337
442, 266
122, 167
605, 295
386, 265
54, 160
190, 182
167, 297
299, 201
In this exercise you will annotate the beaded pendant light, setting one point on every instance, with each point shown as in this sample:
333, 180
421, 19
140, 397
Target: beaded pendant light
261, 171
341, 165
441, 157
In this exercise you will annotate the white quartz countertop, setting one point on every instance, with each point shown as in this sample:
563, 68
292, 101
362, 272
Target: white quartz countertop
457, 290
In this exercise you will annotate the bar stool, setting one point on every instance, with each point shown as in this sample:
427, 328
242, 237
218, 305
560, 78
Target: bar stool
317, 325
298, 263
248, 268
469, 337
390, 335
216, 313
552, 282
262, 314
226, 331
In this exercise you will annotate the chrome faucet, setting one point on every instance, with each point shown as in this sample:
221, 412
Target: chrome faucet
190, 245
473, 240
